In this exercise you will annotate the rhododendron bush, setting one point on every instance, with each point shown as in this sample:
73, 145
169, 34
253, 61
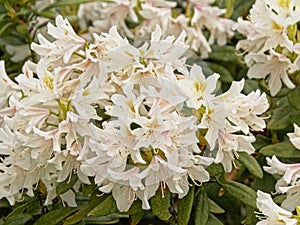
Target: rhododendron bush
150, 112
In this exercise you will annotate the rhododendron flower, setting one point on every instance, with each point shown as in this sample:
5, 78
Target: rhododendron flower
272, 214
295, 136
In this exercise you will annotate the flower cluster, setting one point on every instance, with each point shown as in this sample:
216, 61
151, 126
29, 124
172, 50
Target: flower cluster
133, 118
272, 42
289, 182
203, 23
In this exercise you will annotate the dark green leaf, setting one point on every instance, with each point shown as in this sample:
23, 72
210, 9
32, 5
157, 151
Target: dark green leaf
214, 207
280, 118
201, 208
185, 206
282, 150
55, 216
95, 200
223, 53
106, 207
215, 169
66, 185
61, 3
212, 220
251, 164
294, 97
136, 212
241, 192
160, 204
19, 219
225, 75
21, 209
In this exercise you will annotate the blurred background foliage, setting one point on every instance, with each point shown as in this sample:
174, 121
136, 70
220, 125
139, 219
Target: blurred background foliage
226, 199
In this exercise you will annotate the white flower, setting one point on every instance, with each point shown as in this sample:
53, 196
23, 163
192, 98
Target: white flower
66, 43
230, 144
288, 183
295, 136
275, 66
243, 111
8, 87
198, 88
272, 213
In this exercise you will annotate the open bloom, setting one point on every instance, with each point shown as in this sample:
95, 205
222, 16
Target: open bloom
272, 213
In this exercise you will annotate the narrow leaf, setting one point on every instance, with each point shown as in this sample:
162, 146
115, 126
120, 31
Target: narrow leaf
214, 207
251, 164
241, 192
280, 118
282, 150
293, 97
78, 216
106, 207
55, 217
215, 169
212, 220
225, 75
185, 206
136, 212
19, 219
160, 204
66, 185
61, 3
201, 208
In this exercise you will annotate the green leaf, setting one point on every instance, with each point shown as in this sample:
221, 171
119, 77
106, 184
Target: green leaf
250, 219
61, 3
241, 192
185, 206
280, 118
106, 207
66, 185
251, 164
21, 209
55, 216
136, 212
212, 220
225, 75
223, 53
160, 204
214, 207
293, 97
215, 169
201, 208
78, 216
19, 219
282, 150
